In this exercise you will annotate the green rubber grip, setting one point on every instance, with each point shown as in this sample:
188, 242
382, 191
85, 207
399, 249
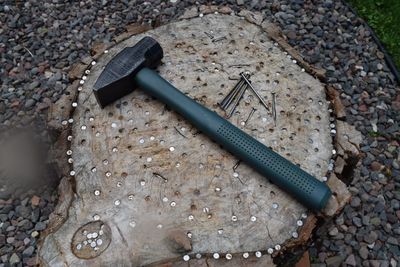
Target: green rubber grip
289, 177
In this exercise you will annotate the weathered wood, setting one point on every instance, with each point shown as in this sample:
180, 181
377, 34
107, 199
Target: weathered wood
164, 189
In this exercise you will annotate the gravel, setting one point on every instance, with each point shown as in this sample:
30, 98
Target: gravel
41, 40
18, 233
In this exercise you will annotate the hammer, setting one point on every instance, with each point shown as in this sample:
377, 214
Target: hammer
132, 68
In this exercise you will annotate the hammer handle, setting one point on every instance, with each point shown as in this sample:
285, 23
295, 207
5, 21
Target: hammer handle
307, 189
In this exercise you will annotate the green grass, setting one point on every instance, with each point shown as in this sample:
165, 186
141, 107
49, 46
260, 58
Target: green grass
384, 18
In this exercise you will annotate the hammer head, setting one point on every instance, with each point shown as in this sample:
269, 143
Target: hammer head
116, 80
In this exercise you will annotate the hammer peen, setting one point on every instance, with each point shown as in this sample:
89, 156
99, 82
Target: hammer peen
132, 68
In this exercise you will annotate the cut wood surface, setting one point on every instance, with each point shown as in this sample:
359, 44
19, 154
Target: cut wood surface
157, 189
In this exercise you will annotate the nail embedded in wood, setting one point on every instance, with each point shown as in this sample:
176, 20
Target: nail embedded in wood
239, 65
218, 39
179, 132
209, 35
160, 176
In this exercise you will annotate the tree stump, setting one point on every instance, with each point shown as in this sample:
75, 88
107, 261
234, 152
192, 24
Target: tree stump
147, 188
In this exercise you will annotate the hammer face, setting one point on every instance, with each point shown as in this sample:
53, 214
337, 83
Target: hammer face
116, 80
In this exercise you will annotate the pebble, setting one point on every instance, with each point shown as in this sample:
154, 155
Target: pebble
355, 202
334, 231
351, 260
395, 164
375, 221
35, 200
392, 240
334, 261
19, 244
35, 234
29, 103
28, 251
40, 226
363, 252
22, 211
33, 85
14, 259
25, 225
27, 241
371, 237
357, 221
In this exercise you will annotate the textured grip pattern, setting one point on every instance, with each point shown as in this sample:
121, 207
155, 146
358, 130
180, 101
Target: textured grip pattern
274, 166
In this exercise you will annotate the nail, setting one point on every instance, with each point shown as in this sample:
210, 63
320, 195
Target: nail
231, 95
236, 165
237, 99
250, 115
274, 107
255, 92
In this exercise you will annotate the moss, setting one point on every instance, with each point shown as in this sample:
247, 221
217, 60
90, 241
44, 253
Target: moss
383, 17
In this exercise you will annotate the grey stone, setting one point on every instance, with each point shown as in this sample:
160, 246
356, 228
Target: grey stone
357, 222
29, 103
334, 261
339, 220
2, 107
35, 215
28, 251
355, 202
363, 252
26, 241
33, 85
36, 97
395, 204
395, 164
40, 226
334, 231
34, 70
351, 260
22, 211
2, 240
6, 250
365, 219
10, 228
7, 209
25, 225
374, 263
4, 258
379, 206
371, 237
392, 240
14, 259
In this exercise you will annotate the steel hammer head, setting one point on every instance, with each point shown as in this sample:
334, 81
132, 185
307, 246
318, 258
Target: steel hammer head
116, 80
